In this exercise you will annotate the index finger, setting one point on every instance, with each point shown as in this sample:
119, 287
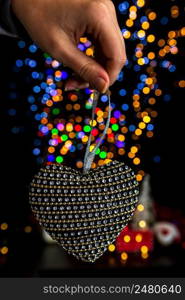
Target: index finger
111, 47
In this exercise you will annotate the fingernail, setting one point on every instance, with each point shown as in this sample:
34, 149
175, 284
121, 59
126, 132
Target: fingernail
100, 84
69, 88
75, 85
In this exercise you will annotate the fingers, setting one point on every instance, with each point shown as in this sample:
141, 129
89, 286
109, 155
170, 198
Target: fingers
75, 83
110, 56
111, 48
87, 68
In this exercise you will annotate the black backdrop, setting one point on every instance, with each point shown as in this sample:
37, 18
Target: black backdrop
18, 164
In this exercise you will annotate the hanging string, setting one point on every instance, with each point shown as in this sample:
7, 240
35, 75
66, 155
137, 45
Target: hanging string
89, 155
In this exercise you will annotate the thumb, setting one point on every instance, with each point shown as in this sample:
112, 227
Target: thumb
86, 67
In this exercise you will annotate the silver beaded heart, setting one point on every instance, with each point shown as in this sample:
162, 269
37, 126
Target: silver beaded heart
84, 213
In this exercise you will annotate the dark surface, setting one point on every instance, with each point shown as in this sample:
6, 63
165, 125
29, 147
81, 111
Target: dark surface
52, 261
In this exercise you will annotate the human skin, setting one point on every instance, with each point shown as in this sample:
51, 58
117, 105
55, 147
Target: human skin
57, 25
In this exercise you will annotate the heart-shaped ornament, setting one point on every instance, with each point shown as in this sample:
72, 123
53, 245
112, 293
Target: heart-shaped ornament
84, 213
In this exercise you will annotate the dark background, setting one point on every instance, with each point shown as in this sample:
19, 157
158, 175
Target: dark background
28, 254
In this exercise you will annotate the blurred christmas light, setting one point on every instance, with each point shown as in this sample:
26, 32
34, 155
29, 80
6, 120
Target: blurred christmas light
124, 256
49, 104
111, 248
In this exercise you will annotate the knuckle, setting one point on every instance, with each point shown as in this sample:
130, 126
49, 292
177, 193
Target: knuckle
111, 5
119, 61
99, 6
85, 70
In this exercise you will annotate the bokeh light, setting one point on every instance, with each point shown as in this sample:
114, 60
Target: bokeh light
64, 118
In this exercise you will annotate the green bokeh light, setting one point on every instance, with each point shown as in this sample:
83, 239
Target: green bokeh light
98, 151
55, 111
103, 154
115, 127
64, 137
87, 128
59, 159
54, 131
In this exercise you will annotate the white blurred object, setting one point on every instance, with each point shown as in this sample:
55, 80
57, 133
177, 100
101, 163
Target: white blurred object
47, 238
144, 214
166, 233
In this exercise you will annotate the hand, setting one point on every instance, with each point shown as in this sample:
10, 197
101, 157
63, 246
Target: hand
57, 25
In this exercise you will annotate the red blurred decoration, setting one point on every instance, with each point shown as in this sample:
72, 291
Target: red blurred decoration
134, 246
110, 135
78, 128
39, 133
113, 120
97, 109
95, 132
